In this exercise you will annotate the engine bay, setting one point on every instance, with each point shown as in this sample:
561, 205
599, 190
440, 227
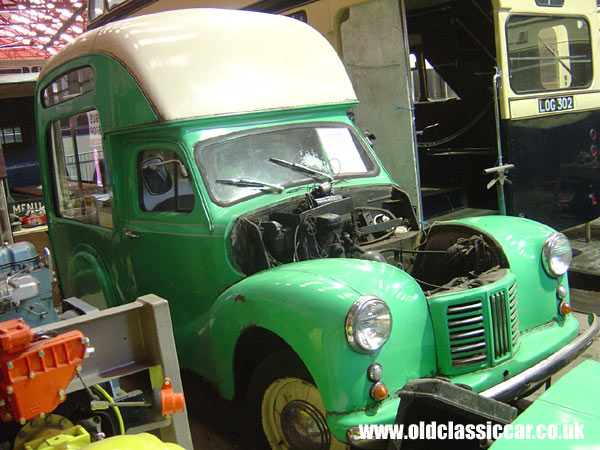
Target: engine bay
374, 223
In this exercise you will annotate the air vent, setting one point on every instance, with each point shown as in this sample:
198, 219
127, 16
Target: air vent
514, 315
467, 334
498, 309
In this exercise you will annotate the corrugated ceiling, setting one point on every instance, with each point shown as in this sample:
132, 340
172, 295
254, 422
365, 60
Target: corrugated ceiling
38, 28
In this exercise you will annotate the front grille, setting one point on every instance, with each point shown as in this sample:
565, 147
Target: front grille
505, 321
476, 328
500, 327
467, 334
514, 315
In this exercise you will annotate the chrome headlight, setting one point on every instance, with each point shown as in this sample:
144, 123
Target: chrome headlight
556, 254
368, 324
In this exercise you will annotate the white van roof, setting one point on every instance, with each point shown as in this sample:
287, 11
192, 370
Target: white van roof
208, 62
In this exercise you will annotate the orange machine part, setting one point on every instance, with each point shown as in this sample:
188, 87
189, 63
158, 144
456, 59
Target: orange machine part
15, 336
33, 380
171, 402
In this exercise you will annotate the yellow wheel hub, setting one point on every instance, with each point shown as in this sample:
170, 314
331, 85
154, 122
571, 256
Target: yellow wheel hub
293, 417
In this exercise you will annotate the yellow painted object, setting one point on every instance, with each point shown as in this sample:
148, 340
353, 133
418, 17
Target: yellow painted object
72, 438
77, 438
41, 429
142, 441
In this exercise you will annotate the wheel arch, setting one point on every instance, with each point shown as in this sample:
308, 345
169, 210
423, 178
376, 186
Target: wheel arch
304, 306
254, 345
88, 278
279, 309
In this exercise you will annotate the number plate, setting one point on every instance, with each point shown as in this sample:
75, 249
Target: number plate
555, 104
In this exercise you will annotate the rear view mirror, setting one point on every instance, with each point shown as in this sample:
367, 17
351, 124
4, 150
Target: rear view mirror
155, 176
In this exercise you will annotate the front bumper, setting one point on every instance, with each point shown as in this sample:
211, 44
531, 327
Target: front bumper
518, 384
524, 381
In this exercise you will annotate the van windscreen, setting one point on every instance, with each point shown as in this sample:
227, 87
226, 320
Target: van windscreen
240, 165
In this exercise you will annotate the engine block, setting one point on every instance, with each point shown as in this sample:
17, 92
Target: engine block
25, 285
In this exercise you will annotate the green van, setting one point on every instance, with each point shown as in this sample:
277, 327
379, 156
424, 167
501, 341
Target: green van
206, 156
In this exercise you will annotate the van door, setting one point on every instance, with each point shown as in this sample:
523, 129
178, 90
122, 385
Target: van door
82, 209
168, 243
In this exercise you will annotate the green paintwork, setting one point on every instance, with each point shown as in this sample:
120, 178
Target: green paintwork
441, 302
542, 329
85, 267
311, 334
185, 258
534, 345
521, 240
564, 405
115, 81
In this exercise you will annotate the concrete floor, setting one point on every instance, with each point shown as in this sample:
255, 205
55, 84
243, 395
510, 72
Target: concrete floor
220, 425
584, 272
216, 424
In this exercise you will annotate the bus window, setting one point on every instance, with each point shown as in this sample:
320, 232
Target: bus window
112, 3
10, 135
95, 8
415, 79
80, 172
550, 2
554, 41
163, 181
435, 89
548, 53
299, 15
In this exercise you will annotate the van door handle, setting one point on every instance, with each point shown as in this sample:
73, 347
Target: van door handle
130, 234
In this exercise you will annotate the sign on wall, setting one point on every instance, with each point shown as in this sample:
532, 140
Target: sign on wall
95, 130
20, 208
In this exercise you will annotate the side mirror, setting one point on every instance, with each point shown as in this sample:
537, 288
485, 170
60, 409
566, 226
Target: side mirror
155, 176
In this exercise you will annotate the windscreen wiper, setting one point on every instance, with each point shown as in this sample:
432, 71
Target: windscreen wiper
560, 60
261, 185
300, 168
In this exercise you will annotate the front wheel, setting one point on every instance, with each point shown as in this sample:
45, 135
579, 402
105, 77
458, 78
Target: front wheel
286, 406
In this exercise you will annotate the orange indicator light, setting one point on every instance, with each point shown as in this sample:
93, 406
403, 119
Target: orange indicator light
565, 308
379, 391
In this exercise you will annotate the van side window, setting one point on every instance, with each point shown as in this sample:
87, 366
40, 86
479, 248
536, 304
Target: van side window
67, 86
80, 171
164, 182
